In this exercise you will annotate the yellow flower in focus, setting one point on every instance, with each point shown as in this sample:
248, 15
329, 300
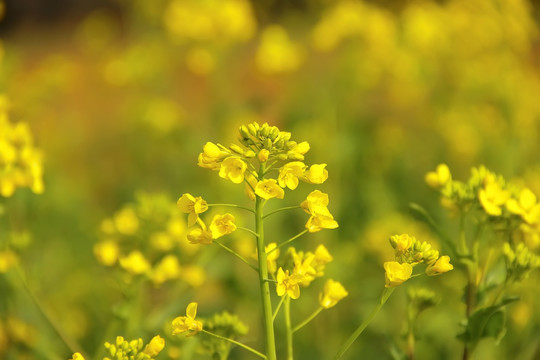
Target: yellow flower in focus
222, 225
107, 252
155, 346
440, 177
272, 256
317, 174
77, 356
211, 156
401, 242
289, 174
396, 273
135, 263
316, 205
333, 292
8, 259
233, 169
187, 324
276, 52
526, 206
318, 222
492, 197
440, 266
193, 206
268, 189
200, 236
263, 155
288, 284
126, 221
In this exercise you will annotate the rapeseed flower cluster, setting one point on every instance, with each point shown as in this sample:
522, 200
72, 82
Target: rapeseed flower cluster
123, 349
410, 252
147, 239
21, 163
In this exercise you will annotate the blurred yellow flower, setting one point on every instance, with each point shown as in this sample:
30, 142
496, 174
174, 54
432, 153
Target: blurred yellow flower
276, 52
289, 174
233, 169
77, 356
107, 252
8, 259
396, 273
200, 236
268, 189
272, 256
135, 263
167, 269
126, 221
187, 324
440, 177
333, 292
193, 206
492, 197
440, 266
222, 225
525, 206
155, 346
194, 275
317, 174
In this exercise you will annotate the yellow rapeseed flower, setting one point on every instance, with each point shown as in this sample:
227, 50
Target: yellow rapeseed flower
525, 206
289, 174
222, 225
167, 269
317, 174
492, 197
200, 236
126, 221
77, 356
440, 177
440, 266
107, 252
211, 156
263, 155
155, 346
288, 284
187, 324
193, 206
276, 52
333, 292
396, 273
233, 169
135, 263
268, 189
8, 259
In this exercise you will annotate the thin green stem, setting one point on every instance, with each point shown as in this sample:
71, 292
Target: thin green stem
288, 328
308, 319
234, 206
277, 308
288, 241
266, 301
248, 348
248, 230
237, 255
281, 209
384, 297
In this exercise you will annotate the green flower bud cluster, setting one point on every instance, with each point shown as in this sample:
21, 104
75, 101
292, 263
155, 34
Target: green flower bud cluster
126, 350
411, 251
223, 324
421, 298
520, 261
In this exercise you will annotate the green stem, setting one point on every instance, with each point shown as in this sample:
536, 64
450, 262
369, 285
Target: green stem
277, 308
248, 230
237, 255
308, 320
384, 297
288, 241
250, 349
281, 209
288, 328
233, 205
263, 275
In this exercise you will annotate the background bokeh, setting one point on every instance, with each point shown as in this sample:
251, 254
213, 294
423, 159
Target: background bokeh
122, 95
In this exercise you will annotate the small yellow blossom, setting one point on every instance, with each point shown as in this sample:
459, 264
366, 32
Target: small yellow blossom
492, 197
167, 269
318, 222
317, 174
263, 155
126, 221
396, 273
8, 259
333, 292
268, 189
222, 225
107, 252
401, 242
233, 169
211, 156
304, 267
187, 324
200, 236
289, 174
526, 206
193, 206
316, 205
440, 177
288, 284
77, 356
276, 52
301, 148
440, 266
155, 346
135, 263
